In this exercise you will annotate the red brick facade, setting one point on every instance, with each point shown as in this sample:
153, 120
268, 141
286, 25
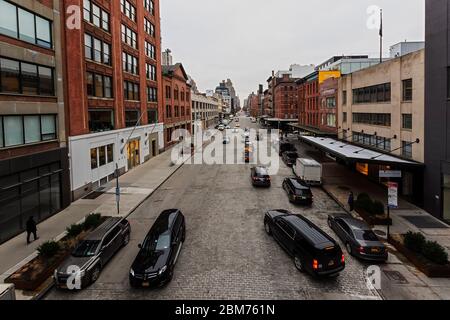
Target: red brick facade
285, 98
309, 101
77, 66
177, 101
328, 105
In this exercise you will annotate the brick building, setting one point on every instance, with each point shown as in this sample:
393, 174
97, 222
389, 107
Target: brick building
34, 169
176, 101
114, 60
328, 105
308, 90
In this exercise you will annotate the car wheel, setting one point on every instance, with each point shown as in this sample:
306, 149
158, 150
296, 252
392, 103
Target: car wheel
267, 228
298, 263
95, 274
349, 249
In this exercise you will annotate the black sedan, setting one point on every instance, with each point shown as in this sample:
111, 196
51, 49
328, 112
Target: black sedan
289, 158
358, 237
155, 263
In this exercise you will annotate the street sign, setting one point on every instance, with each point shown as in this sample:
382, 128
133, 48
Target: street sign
393, 195
390, 174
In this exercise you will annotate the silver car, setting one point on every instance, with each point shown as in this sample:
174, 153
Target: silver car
84, 265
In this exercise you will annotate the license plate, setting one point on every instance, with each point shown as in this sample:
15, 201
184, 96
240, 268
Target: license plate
331, 264
375, 250
146, 284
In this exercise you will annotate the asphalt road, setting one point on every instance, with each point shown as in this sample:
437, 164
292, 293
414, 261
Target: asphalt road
227, 254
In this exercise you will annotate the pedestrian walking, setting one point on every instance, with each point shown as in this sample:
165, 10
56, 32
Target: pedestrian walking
351, 201
31, 229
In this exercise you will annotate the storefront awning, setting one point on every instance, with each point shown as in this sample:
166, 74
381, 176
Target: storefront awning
280, 120
356, 153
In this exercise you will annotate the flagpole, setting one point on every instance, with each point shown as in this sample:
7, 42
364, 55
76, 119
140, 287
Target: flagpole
381, 35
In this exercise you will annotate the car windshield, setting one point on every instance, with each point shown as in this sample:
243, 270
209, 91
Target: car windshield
365, 235
303, 192
157, 244
86, 248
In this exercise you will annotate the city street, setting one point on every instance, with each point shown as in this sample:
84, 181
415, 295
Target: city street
227, 254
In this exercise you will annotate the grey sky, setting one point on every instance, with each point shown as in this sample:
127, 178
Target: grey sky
245, 39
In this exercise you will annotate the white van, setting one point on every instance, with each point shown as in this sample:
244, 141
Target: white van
308, 170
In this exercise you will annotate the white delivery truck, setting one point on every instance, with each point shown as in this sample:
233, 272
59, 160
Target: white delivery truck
7, 292
308, 170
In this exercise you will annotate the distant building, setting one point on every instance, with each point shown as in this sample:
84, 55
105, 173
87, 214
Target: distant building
177, 102
205, 111
404, 48
167, 59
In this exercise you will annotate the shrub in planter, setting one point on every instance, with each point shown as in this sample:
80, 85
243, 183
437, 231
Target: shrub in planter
364, 202
74, 230
48, 249
414, 241
92, 221
377, 208
434, 252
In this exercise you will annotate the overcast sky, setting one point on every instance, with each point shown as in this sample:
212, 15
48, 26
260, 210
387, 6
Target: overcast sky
245, 40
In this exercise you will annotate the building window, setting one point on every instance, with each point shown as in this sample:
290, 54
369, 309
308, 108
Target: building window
101, 156
344, 117
92, 13
26, 129
372, 94
99, 86
407, 121
168, 92
132, 118
130, 63
131, 91
101, 120
407, 90
25, 78
331, 102
150, 50
128, 9
152, 94
377, 142
168, 111
376, 119
149, 5
24, 25
407, 149
97, 50
149, 27
344, 97
150, 72
152, 115
129, 37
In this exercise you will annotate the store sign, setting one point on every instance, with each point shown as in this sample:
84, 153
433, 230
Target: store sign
393, 195
390, 174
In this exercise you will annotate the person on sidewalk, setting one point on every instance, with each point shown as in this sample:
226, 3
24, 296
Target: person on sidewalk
351, 201
31, 229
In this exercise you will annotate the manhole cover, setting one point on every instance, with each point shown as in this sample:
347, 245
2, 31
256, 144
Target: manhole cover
425, 222
396, 277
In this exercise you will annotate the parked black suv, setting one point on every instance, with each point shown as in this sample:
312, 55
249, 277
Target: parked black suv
158, 255
290, 157
92, 254
298, 191
312, 249
260, 177
286, 146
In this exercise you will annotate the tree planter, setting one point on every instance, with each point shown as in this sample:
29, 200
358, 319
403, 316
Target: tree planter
34, 273
429, 268
374, 220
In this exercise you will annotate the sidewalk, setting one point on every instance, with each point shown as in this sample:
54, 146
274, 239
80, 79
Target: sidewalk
400, 279
136, 186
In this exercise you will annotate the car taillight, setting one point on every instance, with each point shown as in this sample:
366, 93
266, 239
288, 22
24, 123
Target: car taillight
315, 264
343, 258
361, 249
